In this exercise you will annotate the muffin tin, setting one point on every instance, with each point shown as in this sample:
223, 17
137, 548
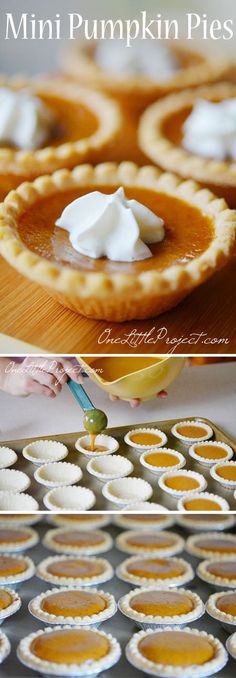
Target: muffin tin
120, 626
90, 481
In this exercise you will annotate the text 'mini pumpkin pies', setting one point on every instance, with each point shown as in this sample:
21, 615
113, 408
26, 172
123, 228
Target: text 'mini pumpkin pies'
66, 540
170, 240
67, 651
73, 606
151, 608
75, 570
153, 571
169, 652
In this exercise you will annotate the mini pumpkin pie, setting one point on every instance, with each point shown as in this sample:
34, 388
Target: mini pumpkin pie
225, 473
212, 545
218, 572
222, 607
19, 519
145, 438
191, 431
179, 483
196, 523
150, 608
210, 452
231, 645
34, 240
5, 646
174, 137
142, 73
67, 651
17, 539
202, 501
66, 540
153, 571
64, 125
161, 460
15, 569
81, 520
75, 571
143, 521
169, 652
74, 606
153, 543
10, 602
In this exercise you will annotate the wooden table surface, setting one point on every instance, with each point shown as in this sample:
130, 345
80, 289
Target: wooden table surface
29, 314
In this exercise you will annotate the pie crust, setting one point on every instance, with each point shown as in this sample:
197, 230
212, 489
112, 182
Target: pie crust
192, 547
160, 470
174, 543
193, 424
105, 544
231, 484
214, 579
218, 176
19, 577
117, 296
137, 659
35, 608
87, 668
21, 165
222, 504
106, 574
191, 475
195, 453
179, 580
151, 621
139, 91
14, 605
215, 612
143, 521
102, 439
5, 646
31, 538
155, 432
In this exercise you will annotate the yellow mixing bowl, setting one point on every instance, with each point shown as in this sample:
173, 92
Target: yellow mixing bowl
132, 377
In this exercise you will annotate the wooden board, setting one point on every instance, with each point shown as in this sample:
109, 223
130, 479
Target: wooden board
29, 314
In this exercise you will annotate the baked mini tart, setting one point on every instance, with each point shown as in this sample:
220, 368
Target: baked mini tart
160, 461
218, 572
15, 519
74, 606
160, 138
136, 92
191, 431
5, 646
66, 540
17, 539
191, 652
152, 571
68, 651
222, 607
143, 521
75, 571
15, 569
81, 520
151, 543
145, 438
151, 608
231, 645
225, 474
202, 501
86, 123
212, 545
32, 243
10, 602
196, 523
210, 452
179, 483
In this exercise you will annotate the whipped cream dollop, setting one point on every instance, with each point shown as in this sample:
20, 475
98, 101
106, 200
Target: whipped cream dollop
151, 59
25, 121
210, 130
111, 226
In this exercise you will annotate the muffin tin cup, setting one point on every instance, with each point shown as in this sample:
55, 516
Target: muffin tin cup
75, 582
44, 451
229, 484
193, 423
122, 545
110, 468
94, 620
157, 622
7, 457
58, 474
160, 470
69, 498
127, 490
106, 441
223, 504
202, 483
13, 607
140, 447
210, 462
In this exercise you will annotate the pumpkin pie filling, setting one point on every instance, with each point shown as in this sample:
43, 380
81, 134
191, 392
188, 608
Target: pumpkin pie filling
151, 541
227, 604
189, 431
38, 232
209, 451
164, 459
226, 546
182, 483
74, 604
78, 538
75, 568
13, 536
70, 646
151, 439
176, 648
225, 569
227, 472
5, 599
154, 568
162, 603
11, 566
201, 505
